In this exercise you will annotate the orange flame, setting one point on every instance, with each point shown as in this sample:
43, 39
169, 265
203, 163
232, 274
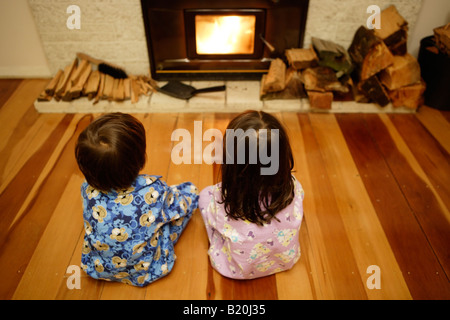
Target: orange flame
217, 34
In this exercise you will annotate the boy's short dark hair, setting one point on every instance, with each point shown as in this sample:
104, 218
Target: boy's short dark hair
110, 152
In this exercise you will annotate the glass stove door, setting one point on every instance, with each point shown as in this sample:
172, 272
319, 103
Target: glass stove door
225, 34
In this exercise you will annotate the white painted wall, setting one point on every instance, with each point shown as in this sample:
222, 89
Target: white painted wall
35, 41
21, 54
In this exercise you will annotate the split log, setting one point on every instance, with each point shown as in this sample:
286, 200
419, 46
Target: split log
56, 96
263, 94
391, 22
275, 79
108, 88
118, 92
403, 72
127, 89
345, 96
393, 30
369, 53
80, 78
397, 43
43, 96
146, 88
442, 38
82, 67
374, 90
321, 79
293, 88
152, 84
358, 96
51, 86
101, 88
333, 55
410, 96
67, 94
115, 90
64, 83
135, 90
320, 100
92, 85
302, 58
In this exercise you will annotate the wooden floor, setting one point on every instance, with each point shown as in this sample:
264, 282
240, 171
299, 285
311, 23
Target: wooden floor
377, 192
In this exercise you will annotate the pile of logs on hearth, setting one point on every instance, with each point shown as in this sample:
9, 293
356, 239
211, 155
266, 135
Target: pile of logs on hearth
79, 79
375, 68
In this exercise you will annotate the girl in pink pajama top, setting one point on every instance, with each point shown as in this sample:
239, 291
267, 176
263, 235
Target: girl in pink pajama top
253, 216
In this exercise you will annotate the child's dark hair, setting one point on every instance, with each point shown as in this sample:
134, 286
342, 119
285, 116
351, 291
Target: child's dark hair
110, 152
246, 193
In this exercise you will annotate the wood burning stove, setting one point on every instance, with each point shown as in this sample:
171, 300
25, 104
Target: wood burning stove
222, 39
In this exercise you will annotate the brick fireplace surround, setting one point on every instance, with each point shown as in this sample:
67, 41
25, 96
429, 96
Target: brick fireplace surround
114, 31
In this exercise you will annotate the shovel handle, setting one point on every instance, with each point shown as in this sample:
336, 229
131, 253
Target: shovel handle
210, 89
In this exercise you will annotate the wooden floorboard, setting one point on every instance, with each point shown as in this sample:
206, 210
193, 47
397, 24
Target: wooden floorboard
39, 208
432, 158
7, 88
422, 197
409, 244
367, 240
336, 265
377, 192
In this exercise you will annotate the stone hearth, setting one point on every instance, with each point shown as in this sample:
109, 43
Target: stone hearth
239, 96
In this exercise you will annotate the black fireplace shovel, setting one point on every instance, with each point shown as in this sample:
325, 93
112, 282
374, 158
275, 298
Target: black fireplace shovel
183, 91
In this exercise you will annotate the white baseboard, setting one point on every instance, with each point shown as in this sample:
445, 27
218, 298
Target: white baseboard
25, 72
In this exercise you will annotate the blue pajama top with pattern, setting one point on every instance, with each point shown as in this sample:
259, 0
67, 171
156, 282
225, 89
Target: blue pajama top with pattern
130, 234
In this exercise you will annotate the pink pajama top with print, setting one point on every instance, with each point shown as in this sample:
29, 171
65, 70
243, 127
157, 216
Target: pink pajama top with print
240, 249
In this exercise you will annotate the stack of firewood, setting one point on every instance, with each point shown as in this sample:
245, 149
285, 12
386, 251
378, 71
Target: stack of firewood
79, 79
329, 80
281, 82
384, 70
322, 71
375, 68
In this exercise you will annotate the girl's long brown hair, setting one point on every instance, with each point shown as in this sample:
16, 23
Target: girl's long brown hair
246, 194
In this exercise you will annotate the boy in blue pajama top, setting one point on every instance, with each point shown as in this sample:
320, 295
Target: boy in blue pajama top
131, 226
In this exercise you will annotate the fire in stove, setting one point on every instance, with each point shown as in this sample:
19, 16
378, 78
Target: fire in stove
225, 34
220, 39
